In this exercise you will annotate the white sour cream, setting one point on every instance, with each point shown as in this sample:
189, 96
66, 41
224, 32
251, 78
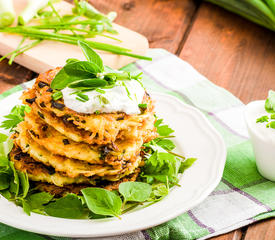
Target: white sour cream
254, 111
117, 97
262, 138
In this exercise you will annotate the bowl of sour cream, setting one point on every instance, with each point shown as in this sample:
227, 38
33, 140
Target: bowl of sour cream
260, 124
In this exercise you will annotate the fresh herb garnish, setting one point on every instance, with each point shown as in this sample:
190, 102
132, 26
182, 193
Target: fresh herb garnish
16, 116
262, 119
270, 108
57, 95
102, 202
102, 100
100, 90
69, 206
82, 97
50, 23
135, 191
89, 75
142, 106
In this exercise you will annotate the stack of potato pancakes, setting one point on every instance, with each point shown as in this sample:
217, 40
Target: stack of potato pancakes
64, 151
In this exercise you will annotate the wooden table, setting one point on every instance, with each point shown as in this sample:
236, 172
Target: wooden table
229, 50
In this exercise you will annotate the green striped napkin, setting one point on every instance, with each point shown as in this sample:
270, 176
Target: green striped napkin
241, 198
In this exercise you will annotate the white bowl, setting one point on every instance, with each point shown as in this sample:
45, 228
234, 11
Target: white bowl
262, 138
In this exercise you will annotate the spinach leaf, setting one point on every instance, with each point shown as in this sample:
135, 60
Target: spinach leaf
91, 55
14, 184
4, 181
102, 202
26, 207
66, 207
24, 183
96, 216
135, 191
6, 194
36, 201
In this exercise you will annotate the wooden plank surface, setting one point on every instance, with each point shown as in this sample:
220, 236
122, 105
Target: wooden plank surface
230, 51
163, 22
264, 230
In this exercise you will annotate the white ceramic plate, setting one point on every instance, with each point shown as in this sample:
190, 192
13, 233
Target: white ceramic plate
195, 137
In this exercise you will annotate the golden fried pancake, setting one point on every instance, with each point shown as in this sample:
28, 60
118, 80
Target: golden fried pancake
57, 143
39, 172
96, 128
76, 188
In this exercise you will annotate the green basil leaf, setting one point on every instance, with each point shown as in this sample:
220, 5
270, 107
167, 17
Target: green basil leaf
67, 207
62, 79
135, 191
82, 68
96, 216
91, 55
102, 202
37, 200
24, 183
88, 83
166, 144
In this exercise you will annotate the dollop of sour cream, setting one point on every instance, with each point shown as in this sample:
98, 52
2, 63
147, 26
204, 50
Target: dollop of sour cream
254, 111
115, 99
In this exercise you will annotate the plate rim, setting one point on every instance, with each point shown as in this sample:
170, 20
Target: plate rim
212, 185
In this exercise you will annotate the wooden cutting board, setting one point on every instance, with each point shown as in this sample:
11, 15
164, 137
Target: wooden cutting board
50, 54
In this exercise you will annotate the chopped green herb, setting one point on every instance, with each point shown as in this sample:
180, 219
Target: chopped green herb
262, 119
48, 26
102, 99
143, 106
57, 95
97, 112
16, 116
270, 102
83, 97
271, 125
270, 108
100, 90
127, 90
